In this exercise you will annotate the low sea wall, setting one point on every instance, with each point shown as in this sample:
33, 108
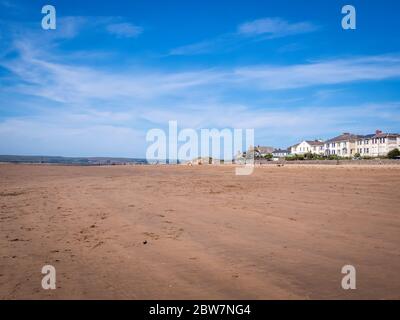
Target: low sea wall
332, 162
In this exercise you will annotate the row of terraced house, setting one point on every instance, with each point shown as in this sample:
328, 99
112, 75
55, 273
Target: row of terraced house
348, 145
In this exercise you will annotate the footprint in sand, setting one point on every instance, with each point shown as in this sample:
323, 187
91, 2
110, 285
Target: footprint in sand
152, 235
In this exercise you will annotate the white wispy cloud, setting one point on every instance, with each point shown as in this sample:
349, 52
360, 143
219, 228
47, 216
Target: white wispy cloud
63, 82
260, 29
92, 133
329, 72
275, 27
197, 48
69, 27
124, 30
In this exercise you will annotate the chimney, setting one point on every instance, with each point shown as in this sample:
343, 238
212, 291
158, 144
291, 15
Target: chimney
378, 132
346, 133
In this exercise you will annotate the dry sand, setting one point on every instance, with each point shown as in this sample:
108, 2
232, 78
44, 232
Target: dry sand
283, 232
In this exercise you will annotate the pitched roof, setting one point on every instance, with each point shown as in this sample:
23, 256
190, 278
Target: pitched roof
344, 137
264, 149
379, 134
315, 142
384, 135
367, 136
280, 151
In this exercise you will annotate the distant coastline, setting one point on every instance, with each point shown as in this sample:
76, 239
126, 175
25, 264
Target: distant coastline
82, 161
107, 161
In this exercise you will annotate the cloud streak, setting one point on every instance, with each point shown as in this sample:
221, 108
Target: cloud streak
124, 30
256, 30
330, 72
68, 83
274, 28
95, 133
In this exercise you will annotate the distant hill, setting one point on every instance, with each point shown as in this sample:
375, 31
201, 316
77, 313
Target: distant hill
71, 160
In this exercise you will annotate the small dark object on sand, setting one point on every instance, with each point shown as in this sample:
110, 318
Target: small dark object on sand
145, 242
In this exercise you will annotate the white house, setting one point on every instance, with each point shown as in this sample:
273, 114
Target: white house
378, 144
280, 153
343, 145
346, 145
308, 146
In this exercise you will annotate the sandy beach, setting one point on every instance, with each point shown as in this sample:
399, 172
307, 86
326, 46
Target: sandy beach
179, 232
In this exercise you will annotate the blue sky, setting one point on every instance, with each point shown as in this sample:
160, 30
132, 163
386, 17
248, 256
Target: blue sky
112, 70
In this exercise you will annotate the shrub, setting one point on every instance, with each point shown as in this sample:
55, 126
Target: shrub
311, 156
393, 154
367, 158
333, 157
